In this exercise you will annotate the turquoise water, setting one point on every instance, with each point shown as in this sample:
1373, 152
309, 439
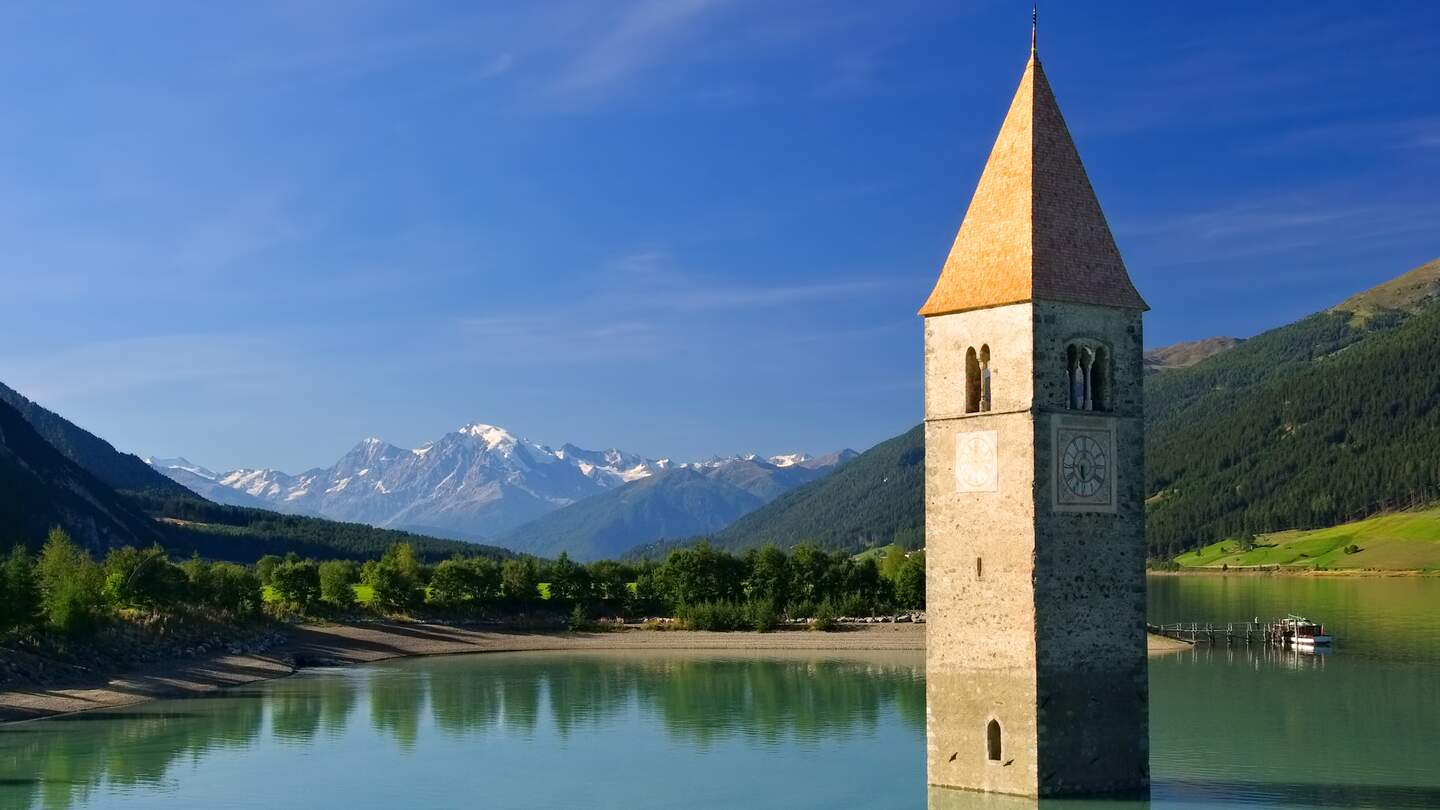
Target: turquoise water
1231, 728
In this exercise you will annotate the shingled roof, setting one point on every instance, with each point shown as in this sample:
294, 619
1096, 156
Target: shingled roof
1034, 231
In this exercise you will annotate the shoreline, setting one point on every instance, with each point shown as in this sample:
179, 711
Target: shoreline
353, 644
1275, 571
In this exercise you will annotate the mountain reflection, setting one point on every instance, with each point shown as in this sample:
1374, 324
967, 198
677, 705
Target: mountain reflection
73, 761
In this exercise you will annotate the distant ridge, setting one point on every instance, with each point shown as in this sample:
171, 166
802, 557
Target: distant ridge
874, 499
679, 502
1408, 293
1184, 355
121, 471
41, 488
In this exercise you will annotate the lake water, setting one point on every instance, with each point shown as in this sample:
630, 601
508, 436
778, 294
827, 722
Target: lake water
1359, 727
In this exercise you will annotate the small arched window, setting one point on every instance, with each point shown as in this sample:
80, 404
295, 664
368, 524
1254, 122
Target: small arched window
1087, 377
992, 741
972, 381
985, 377
1074, 378
1100, 381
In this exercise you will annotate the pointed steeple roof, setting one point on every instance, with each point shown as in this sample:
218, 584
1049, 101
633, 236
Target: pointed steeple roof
1034, 230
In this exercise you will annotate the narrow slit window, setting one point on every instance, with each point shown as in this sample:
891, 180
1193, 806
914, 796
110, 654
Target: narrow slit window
1100, 381
972, 381
985, 377
992, 741
979, 568
1074, 379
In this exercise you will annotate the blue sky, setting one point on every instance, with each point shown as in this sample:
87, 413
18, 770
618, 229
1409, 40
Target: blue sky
682, 227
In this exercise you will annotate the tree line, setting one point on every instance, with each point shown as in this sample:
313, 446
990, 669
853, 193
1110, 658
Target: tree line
63, 588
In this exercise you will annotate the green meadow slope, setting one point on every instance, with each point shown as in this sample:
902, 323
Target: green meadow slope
1403, 541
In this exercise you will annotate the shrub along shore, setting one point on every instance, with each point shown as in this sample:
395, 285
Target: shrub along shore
64, 614
65, 591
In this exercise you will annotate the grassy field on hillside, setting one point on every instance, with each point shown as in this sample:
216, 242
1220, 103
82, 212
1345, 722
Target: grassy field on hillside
1404, 541
364, 594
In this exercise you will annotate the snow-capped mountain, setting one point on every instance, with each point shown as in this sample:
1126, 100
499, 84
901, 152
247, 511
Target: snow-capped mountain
205, 482
476, 482
685, 500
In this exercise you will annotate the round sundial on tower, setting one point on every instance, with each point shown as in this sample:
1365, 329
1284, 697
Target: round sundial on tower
976, 461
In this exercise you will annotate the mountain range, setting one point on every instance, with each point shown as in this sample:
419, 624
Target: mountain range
682, 501
872, 500
482, 481
54, 473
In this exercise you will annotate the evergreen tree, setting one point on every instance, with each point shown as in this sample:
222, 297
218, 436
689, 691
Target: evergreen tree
71, 584
19, 590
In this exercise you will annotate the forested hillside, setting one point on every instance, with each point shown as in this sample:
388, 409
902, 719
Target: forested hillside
120, 471
874, 499
241, 534
40, 488
1327, 420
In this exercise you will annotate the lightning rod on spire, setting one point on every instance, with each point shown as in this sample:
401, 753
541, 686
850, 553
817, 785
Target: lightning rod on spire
1034, 23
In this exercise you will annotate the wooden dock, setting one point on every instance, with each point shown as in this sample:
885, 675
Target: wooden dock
1277, 632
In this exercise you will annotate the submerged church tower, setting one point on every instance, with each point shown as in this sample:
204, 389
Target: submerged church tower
1034, 514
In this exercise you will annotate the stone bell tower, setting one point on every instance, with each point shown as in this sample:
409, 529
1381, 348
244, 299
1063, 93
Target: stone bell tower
1035, 534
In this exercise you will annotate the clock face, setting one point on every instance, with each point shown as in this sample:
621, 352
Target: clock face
976, 462
1084, 466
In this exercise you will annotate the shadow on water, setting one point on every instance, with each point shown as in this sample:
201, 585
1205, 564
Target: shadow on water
1296, 794
1186, 793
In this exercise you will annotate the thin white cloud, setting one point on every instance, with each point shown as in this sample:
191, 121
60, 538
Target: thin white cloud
644, 309
1281, 225
496, 66
556, 339
242, 230
750, 297
643, 33
98, 368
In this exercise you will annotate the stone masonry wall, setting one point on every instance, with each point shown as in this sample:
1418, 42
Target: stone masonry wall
980, 640
1092, 686
1035, 615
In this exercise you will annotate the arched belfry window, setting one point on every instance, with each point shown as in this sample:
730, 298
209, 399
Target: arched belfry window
992, 741
1074, 378
1087, 377
985, 377
972, 381
1100, 380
